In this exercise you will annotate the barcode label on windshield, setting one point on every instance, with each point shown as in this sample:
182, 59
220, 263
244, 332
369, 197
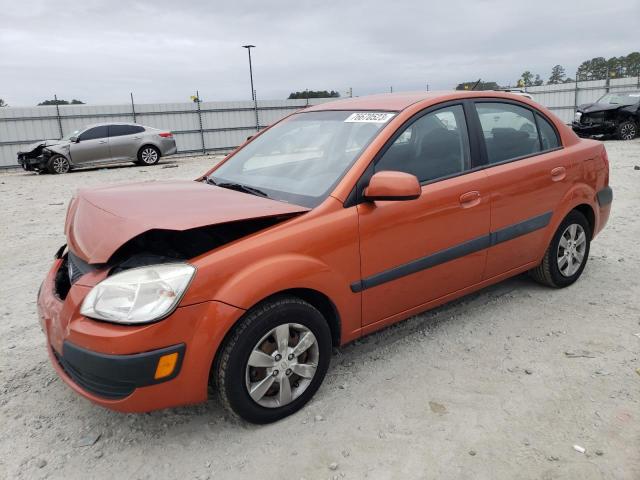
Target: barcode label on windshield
369, 117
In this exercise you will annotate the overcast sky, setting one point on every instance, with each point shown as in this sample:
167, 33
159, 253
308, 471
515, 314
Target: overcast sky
162, 51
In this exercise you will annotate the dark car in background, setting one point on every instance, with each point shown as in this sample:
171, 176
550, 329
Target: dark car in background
98, 144
614, 114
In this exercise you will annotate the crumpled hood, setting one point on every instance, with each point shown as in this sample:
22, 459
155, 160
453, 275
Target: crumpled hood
100, 220
598, 107
43, 143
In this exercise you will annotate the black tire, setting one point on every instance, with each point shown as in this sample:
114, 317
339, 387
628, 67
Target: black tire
148, 155
230, 369
626, 130
548, 272
58, 164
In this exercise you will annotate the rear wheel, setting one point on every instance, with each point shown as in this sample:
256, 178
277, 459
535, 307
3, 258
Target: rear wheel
627, 130
567, 254
148, 155
58, 164
274, 361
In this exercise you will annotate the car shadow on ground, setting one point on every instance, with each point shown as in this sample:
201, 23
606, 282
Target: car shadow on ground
160, 164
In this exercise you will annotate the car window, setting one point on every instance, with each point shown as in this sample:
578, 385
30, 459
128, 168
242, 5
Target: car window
436, 145
119, 130
509, 131
93, 133
548, 134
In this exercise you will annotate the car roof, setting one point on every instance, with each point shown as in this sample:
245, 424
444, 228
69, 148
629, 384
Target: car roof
397, 102
114, 123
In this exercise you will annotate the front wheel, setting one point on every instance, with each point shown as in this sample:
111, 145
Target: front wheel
567, 255
148, 155
58, 164
627, 130
274, 361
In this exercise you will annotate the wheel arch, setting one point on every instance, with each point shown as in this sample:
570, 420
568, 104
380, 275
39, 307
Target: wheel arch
315, 298
589, 213
149, 144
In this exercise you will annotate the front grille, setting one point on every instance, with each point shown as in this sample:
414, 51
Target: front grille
77, 267
101, 387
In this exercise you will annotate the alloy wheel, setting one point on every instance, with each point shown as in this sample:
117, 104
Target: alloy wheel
149, 155
628, 131
282, 365
60, 164
571, 249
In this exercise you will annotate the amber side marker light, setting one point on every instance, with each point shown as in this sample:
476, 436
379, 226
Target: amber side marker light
166, 365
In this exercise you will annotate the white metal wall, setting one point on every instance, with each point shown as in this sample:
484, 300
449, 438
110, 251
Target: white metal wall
562, 99
224, 124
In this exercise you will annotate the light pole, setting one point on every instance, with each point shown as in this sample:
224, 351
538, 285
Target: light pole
253, 92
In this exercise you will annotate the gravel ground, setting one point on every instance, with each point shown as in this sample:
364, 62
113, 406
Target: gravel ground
500, 384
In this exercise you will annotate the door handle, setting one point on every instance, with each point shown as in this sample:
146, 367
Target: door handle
470, 199
137, 138
558, 174
102, 141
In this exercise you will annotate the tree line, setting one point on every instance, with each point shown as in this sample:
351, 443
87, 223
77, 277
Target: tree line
598, 68
313, 94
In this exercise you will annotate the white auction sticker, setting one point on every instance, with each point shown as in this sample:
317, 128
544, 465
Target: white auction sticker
370, 117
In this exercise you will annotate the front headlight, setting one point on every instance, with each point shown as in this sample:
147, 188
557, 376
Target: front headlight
577, 117
139, 295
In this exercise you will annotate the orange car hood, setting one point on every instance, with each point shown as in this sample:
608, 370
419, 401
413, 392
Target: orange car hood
102, 219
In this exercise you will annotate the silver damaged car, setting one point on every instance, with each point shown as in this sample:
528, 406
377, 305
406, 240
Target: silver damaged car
98, 144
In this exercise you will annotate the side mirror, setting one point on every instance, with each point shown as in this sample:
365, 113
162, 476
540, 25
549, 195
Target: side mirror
391, 185
249, 138
74, 139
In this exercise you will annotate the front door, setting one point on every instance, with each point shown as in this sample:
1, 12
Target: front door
416, 251
92, 147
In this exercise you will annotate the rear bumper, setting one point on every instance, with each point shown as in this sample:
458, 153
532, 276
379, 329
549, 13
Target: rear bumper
604, 198
168, 147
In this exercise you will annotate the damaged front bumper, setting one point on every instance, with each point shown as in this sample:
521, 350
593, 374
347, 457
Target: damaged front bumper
29, 162
116, 366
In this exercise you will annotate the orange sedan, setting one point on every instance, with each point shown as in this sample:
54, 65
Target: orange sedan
335, 222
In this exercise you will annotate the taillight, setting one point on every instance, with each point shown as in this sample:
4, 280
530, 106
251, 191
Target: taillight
166, 135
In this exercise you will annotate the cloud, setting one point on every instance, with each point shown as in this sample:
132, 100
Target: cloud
163, 51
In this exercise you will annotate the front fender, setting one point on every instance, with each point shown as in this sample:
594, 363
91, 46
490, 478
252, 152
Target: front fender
264, 278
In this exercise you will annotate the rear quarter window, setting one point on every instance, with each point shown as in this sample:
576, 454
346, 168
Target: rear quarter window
120, 130
548, 135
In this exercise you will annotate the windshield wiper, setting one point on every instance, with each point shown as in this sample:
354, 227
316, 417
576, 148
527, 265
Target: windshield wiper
238, 186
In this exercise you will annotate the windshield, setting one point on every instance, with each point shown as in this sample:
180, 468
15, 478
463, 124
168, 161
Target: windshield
68, 136
301, 159
630, 98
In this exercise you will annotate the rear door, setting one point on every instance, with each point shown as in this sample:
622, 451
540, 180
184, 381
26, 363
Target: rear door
124, 141
416, 251
92, 146
528, 176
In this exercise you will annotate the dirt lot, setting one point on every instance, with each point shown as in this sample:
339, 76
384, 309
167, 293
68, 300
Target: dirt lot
501, 384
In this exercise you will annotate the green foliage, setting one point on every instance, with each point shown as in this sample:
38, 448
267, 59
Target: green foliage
615, 67
313, 94
480, 85
557, 75
527, 78
61, 102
